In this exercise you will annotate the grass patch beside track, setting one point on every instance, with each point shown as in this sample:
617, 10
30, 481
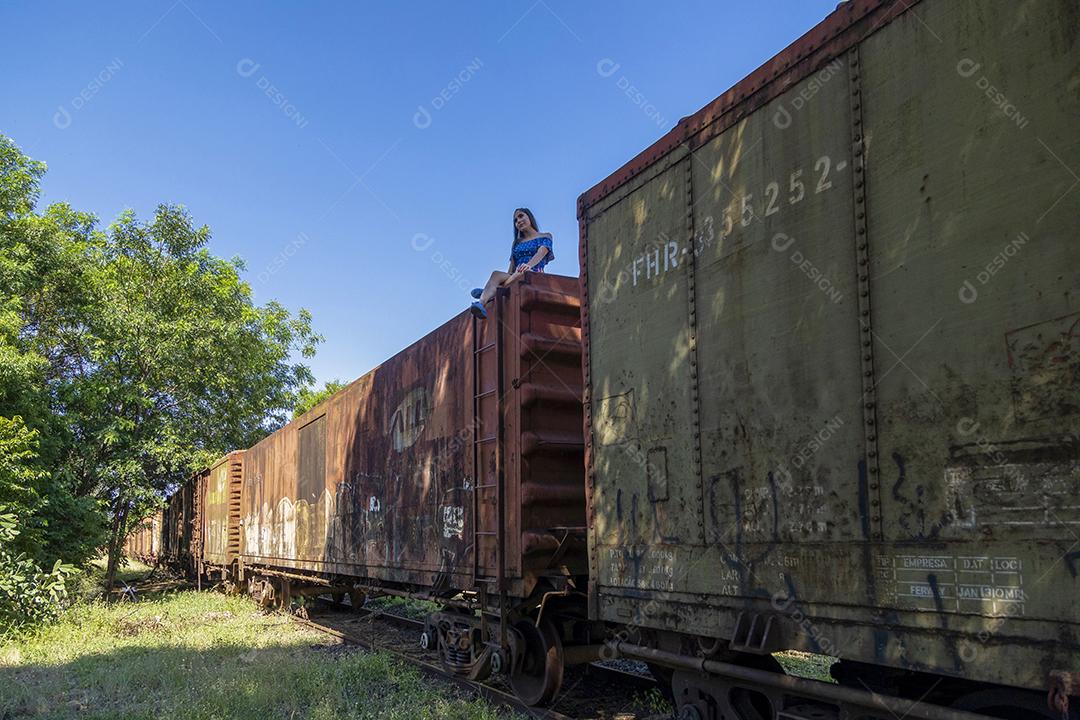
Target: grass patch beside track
205, 655
90, 584
807, 665
405, 607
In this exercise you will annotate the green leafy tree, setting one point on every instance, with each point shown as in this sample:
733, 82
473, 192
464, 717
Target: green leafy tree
188, 366
135, 354
309, 397
46, 295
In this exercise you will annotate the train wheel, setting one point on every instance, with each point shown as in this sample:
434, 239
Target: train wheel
537, 669
357, 598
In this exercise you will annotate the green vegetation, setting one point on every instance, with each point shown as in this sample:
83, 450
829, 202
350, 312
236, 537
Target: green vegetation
654, 703
308, 398
27, 595
403, 607
130, 356
190, 655
807, 665
89, 585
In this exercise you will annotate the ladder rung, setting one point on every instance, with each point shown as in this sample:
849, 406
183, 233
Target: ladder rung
485, 394
483, 348
486, 532
487, 439
481, 487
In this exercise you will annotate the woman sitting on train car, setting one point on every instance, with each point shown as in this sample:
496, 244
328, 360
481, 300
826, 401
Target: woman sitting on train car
530, 252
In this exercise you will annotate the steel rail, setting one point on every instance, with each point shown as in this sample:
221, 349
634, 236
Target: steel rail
645, 681
485, 691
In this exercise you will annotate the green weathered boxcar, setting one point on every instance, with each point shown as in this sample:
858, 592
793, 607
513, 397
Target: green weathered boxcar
833, 358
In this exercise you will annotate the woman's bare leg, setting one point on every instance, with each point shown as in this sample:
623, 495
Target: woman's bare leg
492, 285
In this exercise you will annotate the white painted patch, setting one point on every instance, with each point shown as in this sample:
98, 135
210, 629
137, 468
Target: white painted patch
453, 521
985, 585
407, 422
655, 569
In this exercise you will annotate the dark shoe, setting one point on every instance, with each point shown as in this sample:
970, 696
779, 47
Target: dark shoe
477, 292
478, 311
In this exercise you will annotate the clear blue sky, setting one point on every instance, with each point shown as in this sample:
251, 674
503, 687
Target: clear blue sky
294, 130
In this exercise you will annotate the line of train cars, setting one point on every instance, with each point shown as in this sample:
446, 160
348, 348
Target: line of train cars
817, 388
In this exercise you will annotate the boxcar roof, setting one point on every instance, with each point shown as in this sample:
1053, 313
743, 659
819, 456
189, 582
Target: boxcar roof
842, 29
374, 369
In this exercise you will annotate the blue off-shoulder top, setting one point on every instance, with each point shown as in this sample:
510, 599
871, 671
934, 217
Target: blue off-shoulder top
523, 251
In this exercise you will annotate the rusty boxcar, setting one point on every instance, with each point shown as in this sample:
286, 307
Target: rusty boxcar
200, 531
832, 369
144, 542
219, 516
180, 533
453, 470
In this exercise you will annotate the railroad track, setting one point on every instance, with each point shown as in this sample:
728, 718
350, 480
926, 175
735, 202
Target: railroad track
589, 694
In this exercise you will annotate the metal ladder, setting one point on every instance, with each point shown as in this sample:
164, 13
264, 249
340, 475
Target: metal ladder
482, 437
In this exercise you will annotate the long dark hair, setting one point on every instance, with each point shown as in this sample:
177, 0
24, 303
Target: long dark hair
532, 219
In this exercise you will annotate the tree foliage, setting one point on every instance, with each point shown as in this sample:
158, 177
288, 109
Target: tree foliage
45, 300
130, 356
27, 593
309, 397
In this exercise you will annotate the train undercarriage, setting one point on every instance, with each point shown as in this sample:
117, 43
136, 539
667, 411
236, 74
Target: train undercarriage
706, 680
703, 679
477, 635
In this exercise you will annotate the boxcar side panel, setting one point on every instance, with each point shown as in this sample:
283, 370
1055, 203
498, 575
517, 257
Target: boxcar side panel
361, 484
972, 150
407, 463
641, 386
837, 332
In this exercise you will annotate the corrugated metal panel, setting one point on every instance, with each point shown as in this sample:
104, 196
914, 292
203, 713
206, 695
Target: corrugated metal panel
539, 404
236, 483
546, 417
